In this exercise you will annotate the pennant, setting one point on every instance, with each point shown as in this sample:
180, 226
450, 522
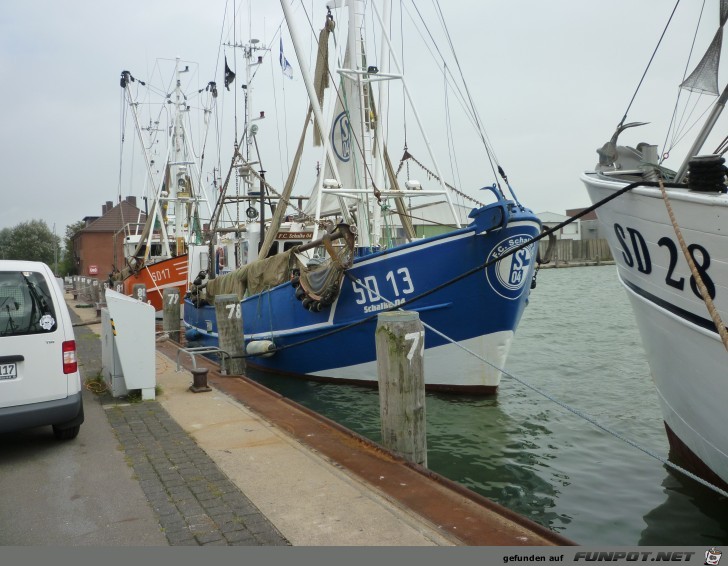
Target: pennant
285, 65
229, 75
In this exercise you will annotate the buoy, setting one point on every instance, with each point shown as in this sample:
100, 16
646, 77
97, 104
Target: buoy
262, 348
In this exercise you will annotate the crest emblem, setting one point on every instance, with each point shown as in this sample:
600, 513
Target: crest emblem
341, 137
507, 276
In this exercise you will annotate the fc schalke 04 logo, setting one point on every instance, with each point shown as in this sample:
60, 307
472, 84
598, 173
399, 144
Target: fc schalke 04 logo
507, 277
341, 137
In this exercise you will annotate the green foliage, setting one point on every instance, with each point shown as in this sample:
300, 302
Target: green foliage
68, 264
31, 240
34, 241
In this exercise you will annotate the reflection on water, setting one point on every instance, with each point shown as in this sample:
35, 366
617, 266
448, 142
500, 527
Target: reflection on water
577, 341
682, 499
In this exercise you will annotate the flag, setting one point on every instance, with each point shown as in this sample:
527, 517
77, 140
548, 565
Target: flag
285, 65
229, 75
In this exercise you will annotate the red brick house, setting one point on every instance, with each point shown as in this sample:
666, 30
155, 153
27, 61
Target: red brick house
98, 247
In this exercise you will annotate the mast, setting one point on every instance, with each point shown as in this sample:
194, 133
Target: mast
180, 186
357, 106
703, 135
152, 216
385, 37
313, 98
382, 110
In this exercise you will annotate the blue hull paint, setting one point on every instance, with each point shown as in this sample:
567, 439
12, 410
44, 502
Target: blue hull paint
486, 302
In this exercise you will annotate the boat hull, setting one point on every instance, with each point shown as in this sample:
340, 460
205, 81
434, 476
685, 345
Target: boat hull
686, 356
479, 312
168, 273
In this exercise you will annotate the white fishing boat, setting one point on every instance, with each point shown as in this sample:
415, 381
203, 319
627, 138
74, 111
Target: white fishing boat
668, 232
311, 310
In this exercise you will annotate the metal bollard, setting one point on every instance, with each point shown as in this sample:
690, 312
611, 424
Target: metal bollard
199, 380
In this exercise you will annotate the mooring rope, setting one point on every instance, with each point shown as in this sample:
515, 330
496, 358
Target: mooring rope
521, 381
714, 314
562, 404
545, 233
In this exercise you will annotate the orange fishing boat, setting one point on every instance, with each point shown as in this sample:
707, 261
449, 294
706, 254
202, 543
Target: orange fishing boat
156, 251
168, 273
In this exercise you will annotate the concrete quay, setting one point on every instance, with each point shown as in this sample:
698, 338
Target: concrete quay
242, 465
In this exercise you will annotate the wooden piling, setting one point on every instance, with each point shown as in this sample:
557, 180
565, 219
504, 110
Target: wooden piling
171, 312
95, 293
139, 292
400, 346
230, 332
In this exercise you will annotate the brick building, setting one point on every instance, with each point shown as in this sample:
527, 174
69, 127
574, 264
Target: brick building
98, 247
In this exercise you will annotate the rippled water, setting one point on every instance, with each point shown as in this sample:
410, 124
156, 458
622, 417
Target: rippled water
577, 342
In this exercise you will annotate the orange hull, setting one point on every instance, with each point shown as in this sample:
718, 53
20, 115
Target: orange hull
159, 276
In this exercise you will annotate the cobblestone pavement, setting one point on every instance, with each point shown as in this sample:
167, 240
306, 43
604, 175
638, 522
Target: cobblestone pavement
195, 502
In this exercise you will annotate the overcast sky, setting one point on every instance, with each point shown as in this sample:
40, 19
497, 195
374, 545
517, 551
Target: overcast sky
551, 80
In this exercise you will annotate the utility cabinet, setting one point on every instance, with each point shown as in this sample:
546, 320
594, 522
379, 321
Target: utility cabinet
110, 363
128, 350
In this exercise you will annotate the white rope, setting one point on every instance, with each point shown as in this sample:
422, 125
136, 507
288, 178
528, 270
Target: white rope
714, 314
563, 405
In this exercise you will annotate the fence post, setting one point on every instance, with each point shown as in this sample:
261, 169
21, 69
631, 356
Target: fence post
94, 290
400, 346
171, 312
230, 332
139, 292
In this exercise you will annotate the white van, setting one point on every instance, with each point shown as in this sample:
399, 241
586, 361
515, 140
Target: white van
39, 379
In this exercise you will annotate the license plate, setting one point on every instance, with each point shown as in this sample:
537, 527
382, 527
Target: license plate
8, 371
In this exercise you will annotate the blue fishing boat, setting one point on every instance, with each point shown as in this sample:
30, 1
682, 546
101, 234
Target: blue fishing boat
310, 297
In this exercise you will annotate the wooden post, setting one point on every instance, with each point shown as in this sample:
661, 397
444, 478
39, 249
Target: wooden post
171, 312
139, 292
230, 331
94, 290
400, 344
75, 287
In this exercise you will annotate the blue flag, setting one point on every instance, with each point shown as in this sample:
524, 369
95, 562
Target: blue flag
285, 65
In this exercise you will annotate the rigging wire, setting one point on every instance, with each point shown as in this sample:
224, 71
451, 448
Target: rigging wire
402, 59
544, 393
544, 234
375, 293
465, 99
652, 57
275, 107
666, 150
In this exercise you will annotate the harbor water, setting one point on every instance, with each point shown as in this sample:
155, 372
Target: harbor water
576, 358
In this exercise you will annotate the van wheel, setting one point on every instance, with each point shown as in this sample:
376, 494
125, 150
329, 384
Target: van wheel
66, 433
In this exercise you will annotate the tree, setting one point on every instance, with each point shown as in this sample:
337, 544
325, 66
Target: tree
68, 264
32, 241
4, 239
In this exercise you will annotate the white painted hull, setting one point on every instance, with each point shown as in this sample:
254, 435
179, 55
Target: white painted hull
440, 361
688, 361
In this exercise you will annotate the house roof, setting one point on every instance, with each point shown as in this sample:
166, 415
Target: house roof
116, 218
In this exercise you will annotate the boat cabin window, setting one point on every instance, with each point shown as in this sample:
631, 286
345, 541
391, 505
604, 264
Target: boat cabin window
273, 249
288, 245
